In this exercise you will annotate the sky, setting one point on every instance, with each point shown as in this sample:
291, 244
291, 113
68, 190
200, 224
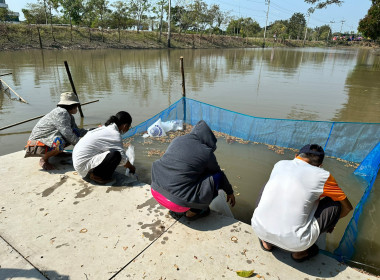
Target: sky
341, 18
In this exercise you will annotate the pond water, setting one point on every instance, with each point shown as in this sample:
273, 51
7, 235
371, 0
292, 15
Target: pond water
308, 84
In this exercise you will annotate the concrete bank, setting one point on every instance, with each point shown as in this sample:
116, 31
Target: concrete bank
54, 225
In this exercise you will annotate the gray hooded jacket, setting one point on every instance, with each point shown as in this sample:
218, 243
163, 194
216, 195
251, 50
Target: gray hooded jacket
184, 174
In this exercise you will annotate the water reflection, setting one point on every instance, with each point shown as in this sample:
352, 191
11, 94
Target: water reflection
362, 87
310, 84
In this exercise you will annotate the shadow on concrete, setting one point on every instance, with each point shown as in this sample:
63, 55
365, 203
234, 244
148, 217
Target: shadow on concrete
61, 164
320, 266
214, 221
14, 273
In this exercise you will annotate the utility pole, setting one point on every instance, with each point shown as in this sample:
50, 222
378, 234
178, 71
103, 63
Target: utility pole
169, 22
342, 21
266, 22
308, 17
328, 34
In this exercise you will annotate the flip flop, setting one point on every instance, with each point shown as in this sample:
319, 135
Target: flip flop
265, 249
311, 252
175, 215
201, 214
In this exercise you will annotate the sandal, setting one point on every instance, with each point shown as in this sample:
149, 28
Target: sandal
176, 215
100, 180
265, 249
203, 213
311, 252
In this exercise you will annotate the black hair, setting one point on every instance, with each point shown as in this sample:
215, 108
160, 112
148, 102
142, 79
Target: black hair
69, 107
119, 119
314, 159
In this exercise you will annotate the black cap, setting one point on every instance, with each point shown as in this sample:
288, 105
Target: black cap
314, 149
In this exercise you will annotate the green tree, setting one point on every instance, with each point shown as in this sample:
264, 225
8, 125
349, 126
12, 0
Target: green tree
119, 16
182, 18
279, 27
88, 17
296, 25
73, 10
4, 17
234, 26
138, 8
50, 5
249, 27
320, 4
217, 18
370, 24
322, 32
101, 9
243, 26
198, 15
159, 10
34, 14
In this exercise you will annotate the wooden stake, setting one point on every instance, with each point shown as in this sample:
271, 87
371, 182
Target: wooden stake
183, 93
73, 87
28, 120
183, 78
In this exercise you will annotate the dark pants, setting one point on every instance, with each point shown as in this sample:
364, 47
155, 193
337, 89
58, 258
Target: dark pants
217, 177
327, 213
108, 165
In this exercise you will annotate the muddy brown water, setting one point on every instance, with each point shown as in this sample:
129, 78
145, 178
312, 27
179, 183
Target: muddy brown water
308, 84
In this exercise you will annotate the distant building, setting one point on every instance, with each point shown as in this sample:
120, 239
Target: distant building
3, 5
13, 16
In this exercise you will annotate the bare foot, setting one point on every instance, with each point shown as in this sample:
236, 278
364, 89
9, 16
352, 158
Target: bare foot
190, 214
46, 165
266, 245
300, 255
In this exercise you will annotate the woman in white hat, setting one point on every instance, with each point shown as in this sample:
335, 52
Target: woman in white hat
55, 131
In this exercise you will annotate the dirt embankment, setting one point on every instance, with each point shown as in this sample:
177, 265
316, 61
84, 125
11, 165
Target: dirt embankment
20, 36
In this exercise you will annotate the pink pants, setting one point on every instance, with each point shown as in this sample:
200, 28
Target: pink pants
167, 203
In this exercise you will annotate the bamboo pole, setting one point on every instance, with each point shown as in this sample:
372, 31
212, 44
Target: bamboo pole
183, 78
35, 118
19, 97
183, 92
73, 86
5, 74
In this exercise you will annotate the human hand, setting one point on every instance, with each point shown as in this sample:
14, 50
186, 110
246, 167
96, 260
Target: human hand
132, 169
231, 199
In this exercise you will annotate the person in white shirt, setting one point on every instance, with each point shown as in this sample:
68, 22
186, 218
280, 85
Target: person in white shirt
300, 201
101, 150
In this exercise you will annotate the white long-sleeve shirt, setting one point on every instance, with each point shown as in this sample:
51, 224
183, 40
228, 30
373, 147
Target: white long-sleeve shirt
91, 150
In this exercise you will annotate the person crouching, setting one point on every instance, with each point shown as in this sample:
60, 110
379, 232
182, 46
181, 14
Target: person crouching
188, 176
101, 150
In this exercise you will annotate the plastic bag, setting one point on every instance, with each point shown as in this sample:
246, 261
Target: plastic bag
219, 204
156, 129
160, 128
130, 153
172, 125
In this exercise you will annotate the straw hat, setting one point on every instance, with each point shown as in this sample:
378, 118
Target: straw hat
68, 98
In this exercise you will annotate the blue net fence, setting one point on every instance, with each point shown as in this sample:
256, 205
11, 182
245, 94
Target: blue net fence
355, 142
